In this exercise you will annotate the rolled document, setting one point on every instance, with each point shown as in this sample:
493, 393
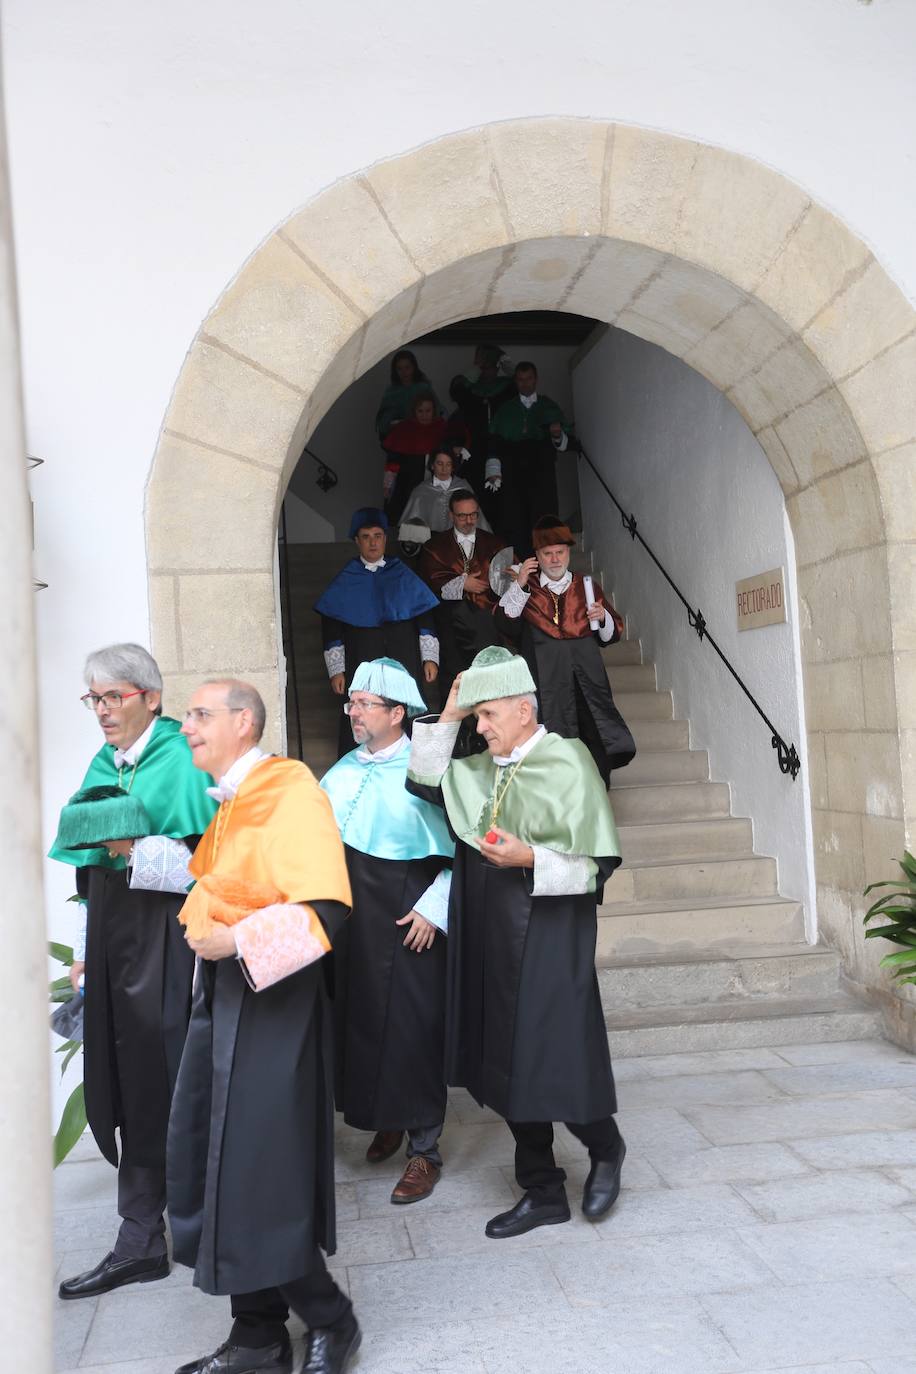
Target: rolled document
589, 586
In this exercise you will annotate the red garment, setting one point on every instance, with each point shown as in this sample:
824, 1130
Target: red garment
570, 607
411, 437
442, 560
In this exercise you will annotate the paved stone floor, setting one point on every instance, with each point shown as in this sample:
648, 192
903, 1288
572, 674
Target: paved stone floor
767, 1222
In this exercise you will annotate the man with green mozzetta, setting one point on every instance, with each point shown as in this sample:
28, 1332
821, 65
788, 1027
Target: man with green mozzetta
138, 967
525, 1031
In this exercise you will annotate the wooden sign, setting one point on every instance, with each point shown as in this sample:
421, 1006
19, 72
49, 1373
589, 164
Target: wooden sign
761, 600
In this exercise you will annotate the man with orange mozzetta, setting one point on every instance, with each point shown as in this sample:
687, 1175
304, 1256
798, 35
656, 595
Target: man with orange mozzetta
250, 1148
525, 1032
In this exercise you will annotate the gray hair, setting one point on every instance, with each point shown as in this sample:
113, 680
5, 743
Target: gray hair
241, 696
531, 700
123, 663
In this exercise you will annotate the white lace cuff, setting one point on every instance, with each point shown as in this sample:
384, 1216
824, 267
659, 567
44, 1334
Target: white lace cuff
278, 941
160, 864
429, 649
561, 444
514, 600
493, 468
431, 745
454, 590
561, 875
335, 660
79, 944
433, 905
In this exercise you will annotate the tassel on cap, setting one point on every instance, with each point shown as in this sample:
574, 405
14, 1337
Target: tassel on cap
96, 814
494, 673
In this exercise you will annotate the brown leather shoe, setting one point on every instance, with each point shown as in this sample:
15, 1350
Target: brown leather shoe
417, 1181
384, 1145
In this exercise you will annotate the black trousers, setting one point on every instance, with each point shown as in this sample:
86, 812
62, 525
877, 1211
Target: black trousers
537, 1171
141, 1207
259, 1318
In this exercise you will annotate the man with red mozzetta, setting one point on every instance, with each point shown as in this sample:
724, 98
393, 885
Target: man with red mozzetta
536, 841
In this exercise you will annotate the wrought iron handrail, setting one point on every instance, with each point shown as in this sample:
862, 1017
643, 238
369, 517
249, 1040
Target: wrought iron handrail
787, 754
327, 477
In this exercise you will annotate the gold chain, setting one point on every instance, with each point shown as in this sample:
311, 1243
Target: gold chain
556, 606
222, 820
133, 774
499, 793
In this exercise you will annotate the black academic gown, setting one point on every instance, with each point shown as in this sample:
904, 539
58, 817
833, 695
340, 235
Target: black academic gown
525, 1030
389, 1001
137, 1003
251, 1135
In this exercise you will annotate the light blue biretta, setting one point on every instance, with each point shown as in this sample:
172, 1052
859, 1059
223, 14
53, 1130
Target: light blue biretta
385, 677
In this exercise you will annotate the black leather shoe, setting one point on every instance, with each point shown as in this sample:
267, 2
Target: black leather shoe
240, 1359
525, 1216
603, 1185
331, 1348
114, 1273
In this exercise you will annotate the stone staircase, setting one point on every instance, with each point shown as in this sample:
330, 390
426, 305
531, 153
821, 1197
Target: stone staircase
697, 949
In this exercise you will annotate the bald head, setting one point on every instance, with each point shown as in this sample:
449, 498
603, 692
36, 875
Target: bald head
241, 696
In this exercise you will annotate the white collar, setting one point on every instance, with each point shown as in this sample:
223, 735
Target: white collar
528, 401
443, 483
372, 567
559, 587
131, 755
232, 779
364, 755
464, 538
520, 750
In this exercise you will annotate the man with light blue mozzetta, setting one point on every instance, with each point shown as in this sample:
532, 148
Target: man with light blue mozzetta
389, 959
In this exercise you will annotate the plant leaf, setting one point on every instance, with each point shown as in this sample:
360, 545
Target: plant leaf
72, 1124
72, 1047
62, 953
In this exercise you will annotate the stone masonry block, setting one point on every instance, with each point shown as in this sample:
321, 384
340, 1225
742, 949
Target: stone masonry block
834, 698
905, 682
756, 406
863, 773
457, 292
659, 332
737, 215
279, 313
688, 300
896, 474
845, 611
612, 278
821, 436
443, 200
739, 344
537, 274
791, 376
817, 771
344, 233
206, 510
564, 161
838, 857
812, 267
882, 397
883, 844
901, 566
388, 328
227, 622
650, 177
163, 619
879, 692
838, 513
780, 461
869, 315
229, 404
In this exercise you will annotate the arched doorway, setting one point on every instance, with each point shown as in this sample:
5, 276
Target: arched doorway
718, 259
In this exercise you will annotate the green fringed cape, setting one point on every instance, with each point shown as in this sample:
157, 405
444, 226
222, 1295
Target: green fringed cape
173, 791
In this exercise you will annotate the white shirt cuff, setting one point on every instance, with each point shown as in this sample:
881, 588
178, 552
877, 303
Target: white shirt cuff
433, 905
454, 590
561, 875
160, 864
561, 444
608, 629
514, 600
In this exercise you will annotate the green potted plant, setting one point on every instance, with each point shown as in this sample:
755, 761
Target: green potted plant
73, 1118
898, 909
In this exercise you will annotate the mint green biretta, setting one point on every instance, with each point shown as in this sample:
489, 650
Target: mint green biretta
377, 815
385, 677
495, 672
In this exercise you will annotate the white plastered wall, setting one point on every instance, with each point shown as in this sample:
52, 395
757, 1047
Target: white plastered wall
677, 454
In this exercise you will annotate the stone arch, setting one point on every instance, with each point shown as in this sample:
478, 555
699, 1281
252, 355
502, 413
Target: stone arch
718, 259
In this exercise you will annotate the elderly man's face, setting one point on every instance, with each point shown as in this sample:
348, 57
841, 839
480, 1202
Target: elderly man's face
216, 733
465, 515
371, 543
504, 723
123, 725
554, 560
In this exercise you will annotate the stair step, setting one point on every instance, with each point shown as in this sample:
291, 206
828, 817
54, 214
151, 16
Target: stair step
742, 1025
692, 882
678, 801
671, 929
654, 735
733, 972
644, 705
632, 677
710, 839
624, 651
661, 766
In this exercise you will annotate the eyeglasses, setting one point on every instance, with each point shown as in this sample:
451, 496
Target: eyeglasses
109, 700
351, 706
201, 714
